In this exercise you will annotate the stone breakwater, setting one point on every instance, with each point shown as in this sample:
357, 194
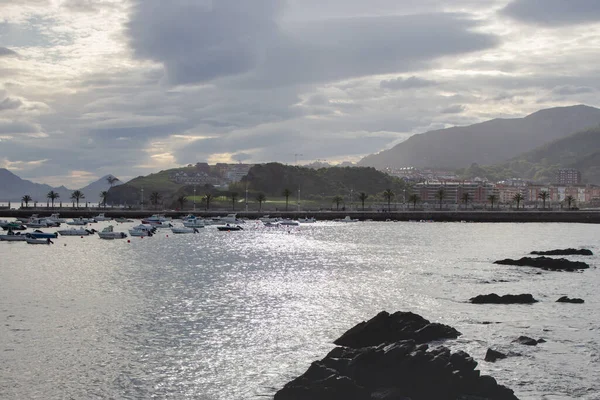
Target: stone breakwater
389, 358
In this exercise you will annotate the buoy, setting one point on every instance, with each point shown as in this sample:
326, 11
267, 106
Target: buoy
167, 235
82, 237
65, 244
128, 241
141, 237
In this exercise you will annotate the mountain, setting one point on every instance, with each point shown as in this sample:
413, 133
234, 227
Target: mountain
580, 150
486, 143
93, 190
14, 188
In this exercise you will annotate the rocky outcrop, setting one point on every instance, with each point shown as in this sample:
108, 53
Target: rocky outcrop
493, 355
566, 299
564, 252
546, 263
527, 341
493, 298
387, 328
394, 369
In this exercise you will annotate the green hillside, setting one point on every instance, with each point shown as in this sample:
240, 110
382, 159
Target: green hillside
580, 150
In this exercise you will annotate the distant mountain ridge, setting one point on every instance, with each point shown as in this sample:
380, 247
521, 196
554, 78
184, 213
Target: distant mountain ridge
13, 188
486, 143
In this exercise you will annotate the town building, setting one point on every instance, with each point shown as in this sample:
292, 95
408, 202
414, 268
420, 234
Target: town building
454, 191
568, 176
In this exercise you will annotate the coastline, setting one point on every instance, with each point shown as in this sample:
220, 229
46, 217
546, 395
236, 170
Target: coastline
525, 216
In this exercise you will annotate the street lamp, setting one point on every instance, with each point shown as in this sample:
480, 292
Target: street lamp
298, 199
351, 199
194, 198
142, 198
246, 196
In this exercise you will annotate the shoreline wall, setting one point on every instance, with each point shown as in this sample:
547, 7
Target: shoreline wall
571, 216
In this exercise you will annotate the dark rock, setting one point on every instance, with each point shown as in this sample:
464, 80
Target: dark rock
387, 328
493, 298
564, 252
547, 263
541, 341
394, 370
527, 341
565, 299
493, 355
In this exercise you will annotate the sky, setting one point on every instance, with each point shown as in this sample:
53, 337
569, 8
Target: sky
130, 87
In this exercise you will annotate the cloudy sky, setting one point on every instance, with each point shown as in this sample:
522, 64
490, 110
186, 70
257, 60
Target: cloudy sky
130, 87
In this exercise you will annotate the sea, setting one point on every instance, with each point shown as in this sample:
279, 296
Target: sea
235, 315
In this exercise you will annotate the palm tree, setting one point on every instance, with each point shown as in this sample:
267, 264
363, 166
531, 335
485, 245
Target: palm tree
207, 198
543, 195
27, 198
440, 194
112, 180
414, 198
465, 198
52, 195
388, 195
362, 196
181, 200
234, 197
155, 199
492, 198
287, 193
103, 196
76, 196
570, 199
260, 198
518, 198
337, 200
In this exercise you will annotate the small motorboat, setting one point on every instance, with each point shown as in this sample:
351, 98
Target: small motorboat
142, 230
310, 220
38, 241
37, 234
122, 220
192, 221
56, 218
347, 219
76, 232
230, 228
101, 217
13, 237
289, 222
12, 226
184, 229
109, 233
79, 221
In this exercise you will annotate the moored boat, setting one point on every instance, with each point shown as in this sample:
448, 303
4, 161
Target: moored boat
289, 222
76, 232
184, 229
13, 237
109, 233
37, 234
142, 230
38, 241
102, 217
12, 226
230, 228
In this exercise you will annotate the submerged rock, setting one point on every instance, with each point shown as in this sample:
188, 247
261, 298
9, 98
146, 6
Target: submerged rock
493, 298
493, 355
564, 252
527, 341
547, 263
566, 299
394, 369
387, 328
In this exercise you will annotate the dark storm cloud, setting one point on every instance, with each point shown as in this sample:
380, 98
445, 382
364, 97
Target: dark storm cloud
409, 83
198, 43
554, 12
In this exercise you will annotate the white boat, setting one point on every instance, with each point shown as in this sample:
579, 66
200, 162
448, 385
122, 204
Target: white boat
13, 237
310, 220
102, 217
183, 229
289, 222
40, 223
192, 221
79, 221
38, 241
109, 233
56, 218
142, 230
76, 232
231, 219
121, 220
156, 219
347, 219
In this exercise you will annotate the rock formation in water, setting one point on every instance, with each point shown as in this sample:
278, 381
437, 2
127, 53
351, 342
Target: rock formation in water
527, 341
546, 263
493, 355
566, 299
493, 298
564, 252
386, 358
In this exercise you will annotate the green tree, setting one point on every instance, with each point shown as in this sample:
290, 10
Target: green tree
518, 198
465, 198
337, 200
543, 195
260, 198
234, 196
207, 198
76, 196
155, 199
440, 194
287, 193
414, 198
26, 199
388, 195
103, 197
492, 198
181, 200
52, 195
569, 199
362, 196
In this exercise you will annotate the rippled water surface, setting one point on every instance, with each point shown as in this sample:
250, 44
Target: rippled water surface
235, 315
